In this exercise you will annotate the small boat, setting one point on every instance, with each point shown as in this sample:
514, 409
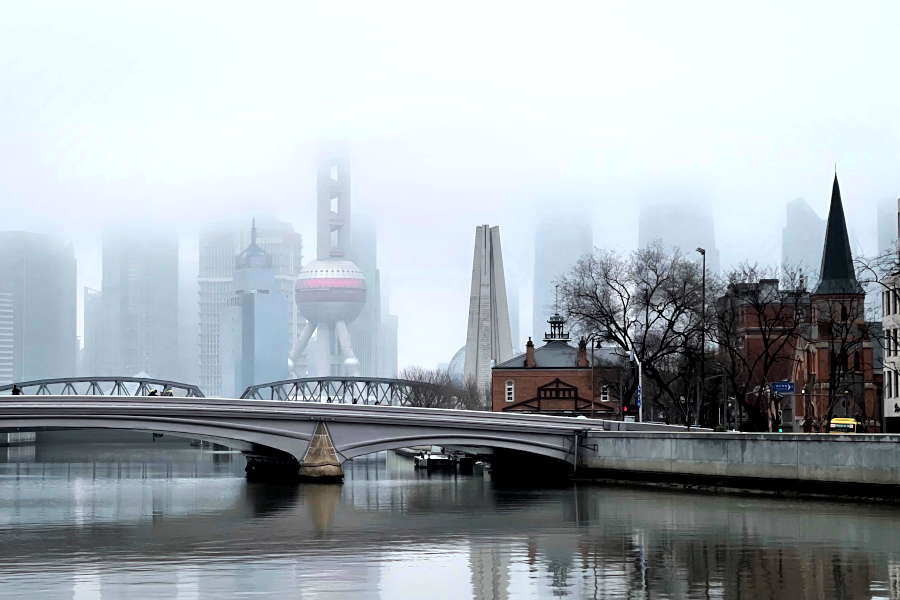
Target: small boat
434, 459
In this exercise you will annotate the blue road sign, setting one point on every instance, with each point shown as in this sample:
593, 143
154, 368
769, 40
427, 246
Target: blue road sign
639, 396
782, 387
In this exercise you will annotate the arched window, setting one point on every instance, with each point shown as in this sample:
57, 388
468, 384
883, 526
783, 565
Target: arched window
843, 313
510, 391
856, 364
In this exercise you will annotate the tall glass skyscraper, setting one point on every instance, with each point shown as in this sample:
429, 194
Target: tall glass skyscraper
560, 240
38, 307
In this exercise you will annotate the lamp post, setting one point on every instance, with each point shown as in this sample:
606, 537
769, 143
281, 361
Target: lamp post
702, 252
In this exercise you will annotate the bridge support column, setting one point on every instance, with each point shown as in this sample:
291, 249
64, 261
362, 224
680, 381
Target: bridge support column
321, 462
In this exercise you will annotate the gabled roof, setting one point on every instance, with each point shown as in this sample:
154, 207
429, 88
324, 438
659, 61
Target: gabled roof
557, 354
837, 275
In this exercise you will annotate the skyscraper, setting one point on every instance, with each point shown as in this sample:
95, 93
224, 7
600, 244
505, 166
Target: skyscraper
685, 225
93, 327
488, 337
140, 304
802, 237
560, 240
218, 246
365, 329
38, 306
253, 347
887, 225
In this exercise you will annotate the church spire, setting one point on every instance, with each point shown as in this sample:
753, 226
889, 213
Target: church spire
837, 275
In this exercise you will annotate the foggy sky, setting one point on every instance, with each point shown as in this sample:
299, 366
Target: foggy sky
457, 115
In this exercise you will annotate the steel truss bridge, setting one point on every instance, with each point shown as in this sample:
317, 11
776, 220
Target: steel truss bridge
376, 391
102, 386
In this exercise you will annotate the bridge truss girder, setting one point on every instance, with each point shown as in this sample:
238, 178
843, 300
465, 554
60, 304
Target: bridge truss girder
375, 391
102, 386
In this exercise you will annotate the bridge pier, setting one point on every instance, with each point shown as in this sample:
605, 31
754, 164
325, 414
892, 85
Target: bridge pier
321, 462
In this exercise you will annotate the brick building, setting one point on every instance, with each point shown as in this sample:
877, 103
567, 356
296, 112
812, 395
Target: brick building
819, 340
558, 379
837, 370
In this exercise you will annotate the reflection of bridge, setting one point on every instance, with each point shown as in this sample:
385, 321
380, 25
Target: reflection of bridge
102, 386
341, 390
267, 429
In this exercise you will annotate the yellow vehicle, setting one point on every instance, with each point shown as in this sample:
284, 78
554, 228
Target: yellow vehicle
839, 425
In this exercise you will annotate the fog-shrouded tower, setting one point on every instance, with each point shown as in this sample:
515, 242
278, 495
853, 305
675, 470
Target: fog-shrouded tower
331, 290
488, 338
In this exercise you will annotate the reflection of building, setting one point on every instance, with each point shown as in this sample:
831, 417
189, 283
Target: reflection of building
802, 236
140, 305
218, 247
557, 379
252, 344
488, 337
684, 225
560, 240
37, 281
489, 563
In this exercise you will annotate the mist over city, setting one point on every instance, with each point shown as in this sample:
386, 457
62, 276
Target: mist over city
119, 118
352, 270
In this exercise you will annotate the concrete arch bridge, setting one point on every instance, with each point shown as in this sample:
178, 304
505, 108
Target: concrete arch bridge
308, 438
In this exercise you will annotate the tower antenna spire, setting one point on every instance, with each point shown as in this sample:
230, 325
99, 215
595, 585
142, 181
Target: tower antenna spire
253, 232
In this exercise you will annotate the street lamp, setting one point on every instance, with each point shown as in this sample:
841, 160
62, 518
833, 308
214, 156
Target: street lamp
702, 252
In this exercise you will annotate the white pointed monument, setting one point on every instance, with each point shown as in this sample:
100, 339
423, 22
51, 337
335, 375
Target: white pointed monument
488, 338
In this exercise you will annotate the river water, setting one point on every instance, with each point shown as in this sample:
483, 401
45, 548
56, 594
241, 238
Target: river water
85, 521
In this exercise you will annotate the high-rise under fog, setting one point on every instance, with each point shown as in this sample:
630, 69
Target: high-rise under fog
38, 307
219, 247
560, 240
138, 317
802, 237
682, 224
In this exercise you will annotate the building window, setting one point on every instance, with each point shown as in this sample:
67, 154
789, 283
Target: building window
604, 393
856, 365
888, 391
510, 391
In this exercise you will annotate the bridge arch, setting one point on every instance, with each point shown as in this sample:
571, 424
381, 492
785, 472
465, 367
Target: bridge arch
259, 427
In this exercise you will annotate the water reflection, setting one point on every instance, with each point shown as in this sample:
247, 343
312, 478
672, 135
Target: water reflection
178, 522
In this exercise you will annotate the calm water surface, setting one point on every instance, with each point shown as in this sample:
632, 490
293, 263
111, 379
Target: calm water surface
171, 521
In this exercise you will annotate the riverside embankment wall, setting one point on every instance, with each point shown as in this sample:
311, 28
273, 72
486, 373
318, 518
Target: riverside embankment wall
817, 462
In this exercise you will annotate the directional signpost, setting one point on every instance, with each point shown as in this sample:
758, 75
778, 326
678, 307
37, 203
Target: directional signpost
782, 387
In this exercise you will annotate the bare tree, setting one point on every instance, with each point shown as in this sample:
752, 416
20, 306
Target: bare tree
430, 388
757, 320
647, 300
434, 388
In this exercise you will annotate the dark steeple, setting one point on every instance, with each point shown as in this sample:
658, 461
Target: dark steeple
837, 275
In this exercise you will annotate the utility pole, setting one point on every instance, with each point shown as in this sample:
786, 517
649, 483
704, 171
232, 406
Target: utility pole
702, 252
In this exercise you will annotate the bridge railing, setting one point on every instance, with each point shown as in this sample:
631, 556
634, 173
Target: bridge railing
346, 390
102, 386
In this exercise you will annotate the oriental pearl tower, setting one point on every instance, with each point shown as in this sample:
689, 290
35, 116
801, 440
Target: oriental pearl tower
331, 290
